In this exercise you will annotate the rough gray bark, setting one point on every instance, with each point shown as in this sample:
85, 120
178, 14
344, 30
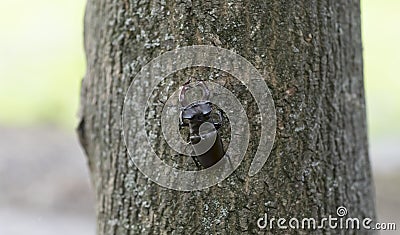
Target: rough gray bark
312, 53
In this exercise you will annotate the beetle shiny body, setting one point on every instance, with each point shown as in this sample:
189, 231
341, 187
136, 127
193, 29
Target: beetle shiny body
205, 139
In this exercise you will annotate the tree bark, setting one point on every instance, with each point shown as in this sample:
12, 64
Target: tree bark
311, 55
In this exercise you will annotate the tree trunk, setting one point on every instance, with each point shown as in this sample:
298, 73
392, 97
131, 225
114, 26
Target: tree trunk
310, 54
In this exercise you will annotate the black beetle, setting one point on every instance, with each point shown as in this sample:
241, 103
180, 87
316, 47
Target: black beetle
194, 115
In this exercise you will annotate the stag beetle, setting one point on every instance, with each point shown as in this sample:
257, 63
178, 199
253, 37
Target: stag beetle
194, 115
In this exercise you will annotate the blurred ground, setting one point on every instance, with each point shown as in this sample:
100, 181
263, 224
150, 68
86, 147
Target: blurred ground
45, 188
44, 183
385, 158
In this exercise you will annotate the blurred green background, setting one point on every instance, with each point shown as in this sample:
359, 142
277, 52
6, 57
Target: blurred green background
381, 38
44, 183
42, 62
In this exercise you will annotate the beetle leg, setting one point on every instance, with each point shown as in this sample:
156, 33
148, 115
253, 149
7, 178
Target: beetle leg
218, 123
196, 162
